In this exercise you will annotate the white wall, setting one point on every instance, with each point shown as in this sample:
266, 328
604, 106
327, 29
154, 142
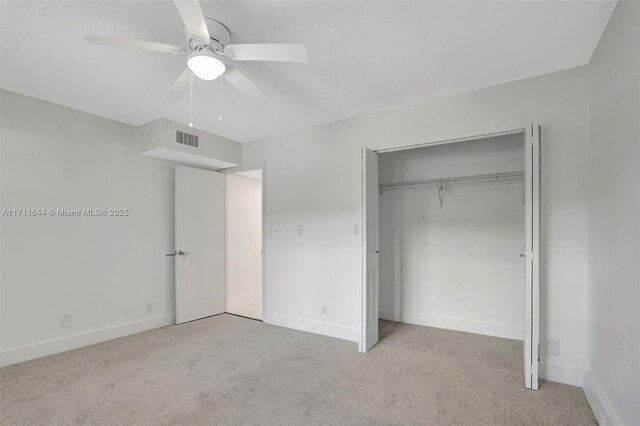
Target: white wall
314, 180
244, 245
101, 270
613, 382
457, 266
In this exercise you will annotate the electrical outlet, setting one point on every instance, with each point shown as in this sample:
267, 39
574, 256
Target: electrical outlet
66, 321
149, 307
356, 229
553, 347
299, 231
325, 311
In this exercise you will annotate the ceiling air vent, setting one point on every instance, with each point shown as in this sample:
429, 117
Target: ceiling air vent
186, 139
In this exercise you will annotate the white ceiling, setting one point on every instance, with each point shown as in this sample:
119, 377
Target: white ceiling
364, 56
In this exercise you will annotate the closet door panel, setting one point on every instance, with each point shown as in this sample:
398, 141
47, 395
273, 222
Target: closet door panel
532, 256
370, 249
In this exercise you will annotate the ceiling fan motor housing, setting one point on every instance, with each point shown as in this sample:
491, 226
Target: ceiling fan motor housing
219, 35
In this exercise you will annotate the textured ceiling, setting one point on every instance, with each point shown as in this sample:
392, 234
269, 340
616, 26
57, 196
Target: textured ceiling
364, 56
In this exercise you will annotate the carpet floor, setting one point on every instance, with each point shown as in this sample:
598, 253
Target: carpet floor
232, 370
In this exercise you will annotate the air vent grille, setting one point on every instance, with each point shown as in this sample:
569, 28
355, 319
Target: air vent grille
186, 139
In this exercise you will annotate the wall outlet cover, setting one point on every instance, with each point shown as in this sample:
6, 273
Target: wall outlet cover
66, 321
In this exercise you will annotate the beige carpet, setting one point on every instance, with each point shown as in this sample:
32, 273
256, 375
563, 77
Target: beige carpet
231, 370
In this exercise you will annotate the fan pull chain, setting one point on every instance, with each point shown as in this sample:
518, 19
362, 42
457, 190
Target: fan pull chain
191, 104
220, 106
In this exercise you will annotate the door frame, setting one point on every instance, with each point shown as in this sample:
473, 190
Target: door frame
532, 289
246, 168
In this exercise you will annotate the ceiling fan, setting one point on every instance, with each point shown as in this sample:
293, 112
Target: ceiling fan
209, 52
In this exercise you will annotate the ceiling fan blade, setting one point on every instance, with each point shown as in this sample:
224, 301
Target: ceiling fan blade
179, 88
246, 87
268, 52
193, 18
132, 44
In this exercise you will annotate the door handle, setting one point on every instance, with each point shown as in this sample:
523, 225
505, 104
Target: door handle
178, 253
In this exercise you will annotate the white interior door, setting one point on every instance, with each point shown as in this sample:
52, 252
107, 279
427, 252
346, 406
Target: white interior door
370, 248
199, 238
532, 256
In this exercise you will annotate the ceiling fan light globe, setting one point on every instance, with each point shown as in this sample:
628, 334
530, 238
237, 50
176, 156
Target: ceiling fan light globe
205, 65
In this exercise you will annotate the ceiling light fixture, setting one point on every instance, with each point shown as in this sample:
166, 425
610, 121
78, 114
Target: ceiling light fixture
205, 65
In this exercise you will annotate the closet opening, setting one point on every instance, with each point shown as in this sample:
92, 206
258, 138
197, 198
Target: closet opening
452, 228
451, 243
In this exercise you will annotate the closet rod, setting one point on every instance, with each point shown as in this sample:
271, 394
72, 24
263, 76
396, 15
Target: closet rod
474, 178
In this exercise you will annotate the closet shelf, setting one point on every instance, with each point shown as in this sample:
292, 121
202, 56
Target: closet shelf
459, 179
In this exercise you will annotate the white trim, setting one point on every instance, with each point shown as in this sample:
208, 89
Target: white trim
365, 342
263, 166
477, 327
363, 254
226, 242
242, 168
67, 343
605, 414
324, 328
561, 374
442, 142
532, 256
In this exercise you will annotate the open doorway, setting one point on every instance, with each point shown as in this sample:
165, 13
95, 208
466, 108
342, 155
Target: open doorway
219, 242
243, 239
452, 239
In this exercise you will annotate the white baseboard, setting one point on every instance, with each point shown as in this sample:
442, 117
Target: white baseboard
552, 372
605, 414
561, 373
488, 329
67, 343
326, 329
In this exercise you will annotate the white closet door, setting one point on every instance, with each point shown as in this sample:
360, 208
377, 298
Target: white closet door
532, 256
199, 240
370, 249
